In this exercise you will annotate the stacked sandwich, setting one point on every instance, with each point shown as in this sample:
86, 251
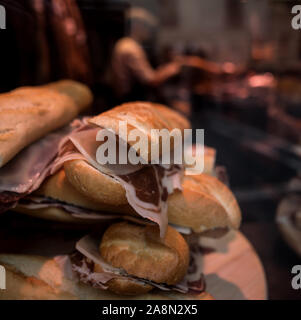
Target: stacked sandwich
150, 211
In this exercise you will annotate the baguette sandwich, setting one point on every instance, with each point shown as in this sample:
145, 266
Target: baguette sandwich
162, 195
29, 135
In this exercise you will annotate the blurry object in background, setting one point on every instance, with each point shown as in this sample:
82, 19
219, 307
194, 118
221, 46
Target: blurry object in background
262, 80
70, 40
222, 175
288, 216
169, 13
285, 116
43, 67
17, 54
132, 73
263, 51
284, 125
234, 13
44, 40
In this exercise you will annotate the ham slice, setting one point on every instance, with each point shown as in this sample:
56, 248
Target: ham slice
147, 186
88, 254
25, 173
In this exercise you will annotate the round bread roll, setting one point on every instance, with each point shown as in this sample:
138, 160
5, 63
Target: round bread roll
141, 252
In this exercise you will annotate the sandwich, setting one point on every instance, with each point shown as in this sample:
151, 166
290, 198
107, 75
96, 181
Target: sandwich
161, 195
148, 210
203, 206
31, 118
127, 261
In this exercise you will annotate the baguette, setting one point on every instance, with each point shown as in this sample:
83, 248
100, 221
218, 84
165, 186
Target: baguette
29, 113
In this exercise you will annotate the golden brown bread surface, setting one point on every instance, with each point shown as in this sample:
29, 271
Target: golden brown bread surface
141, 252
93, 184
36, 278
143, 116
29, 113
59, 188
205, 203
78, 92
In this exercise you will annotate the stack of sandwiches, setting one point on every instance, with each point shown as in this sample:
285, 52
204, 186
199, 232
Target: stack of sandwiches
149, 214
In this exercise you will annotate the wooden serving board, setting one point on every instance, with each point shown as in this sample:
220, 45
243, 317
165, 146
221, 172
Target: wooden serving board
234, 271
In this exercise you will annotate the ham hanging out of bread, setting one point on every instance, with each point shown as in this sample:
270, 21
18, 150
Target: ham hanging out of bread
26, 172
147, 186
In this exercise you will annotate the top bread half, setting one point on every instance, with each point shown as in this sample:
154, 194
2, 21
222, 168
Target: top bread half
144, 117
29, 113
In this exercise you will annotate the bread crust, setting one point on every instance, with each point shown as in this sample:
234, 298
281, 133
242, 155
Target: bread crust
144, 117
59, 188
78, 92
95, 185
141, 252
204, 204
29, 113
36, 278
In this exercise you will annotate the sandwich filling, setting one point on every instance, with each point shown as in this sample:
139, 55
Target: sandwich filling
147, 186
26, 172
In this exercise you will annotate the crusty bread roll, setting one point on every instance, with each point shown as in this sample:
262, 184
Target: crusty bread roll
78, 92
41, 278
141, 252
28, 113
144, 117
204, 203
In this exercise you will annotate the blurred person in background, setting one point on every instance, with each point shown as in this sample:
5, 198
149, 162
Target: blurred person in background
132, 74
